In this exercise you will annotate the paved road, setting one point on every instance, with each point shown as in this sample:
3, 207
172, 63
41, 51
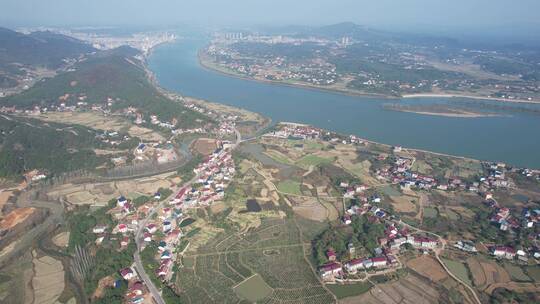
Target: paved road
156, 294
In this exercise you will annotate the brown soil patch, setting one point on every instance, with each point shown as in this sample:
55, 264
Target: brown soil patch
4, 196
487, 273
404, 203
313, 212
48, 281
61, 239
99, 121
205, 146
16, 216
409, 290
428, 267
217, 207
103, 284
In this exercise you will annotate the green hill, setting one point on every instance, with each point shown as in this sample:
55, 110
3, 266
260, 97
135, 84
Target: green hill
114, 74
27, 144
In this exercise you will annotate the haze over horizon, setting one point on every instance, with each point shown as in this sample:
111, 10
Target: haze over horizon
493, 17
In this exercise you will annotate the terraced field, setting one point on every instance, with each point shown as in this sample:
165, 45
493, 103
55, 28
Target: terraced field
273, 254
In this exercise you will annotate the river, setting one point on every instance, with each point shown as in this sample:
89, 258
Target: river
514, 139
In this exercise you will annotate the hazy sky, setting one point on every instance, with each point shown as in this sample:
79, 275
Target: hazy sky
460, 14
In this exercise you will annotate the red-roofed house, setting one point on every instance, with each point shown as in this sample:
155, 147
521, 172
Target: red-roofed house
330, 270
126, 273
331, 255
503, 251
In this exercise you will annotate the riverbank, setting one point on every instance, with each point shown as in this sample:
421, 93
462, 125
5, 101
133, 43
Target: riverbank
205, 63
456, 115
178, 69
437, 110
217, 69
450, 95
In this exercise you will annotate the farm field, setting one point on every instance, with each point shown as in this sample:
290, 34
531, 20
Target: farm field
312, 160
99, 121
534, 273
253, 289
289, 186
48, 280
459, 270
349, 290
428, 267
516, 273
99, 193
410, 289
486, 272
430, 212
267, 265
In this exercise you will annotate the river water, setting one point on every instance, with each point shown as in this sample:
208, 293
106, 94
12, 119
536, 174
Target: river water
514, 139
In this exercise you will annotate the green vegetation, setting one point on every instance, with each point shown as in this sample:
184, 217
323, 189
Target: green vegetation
192, 232
141, 200
516, 273
289, 186
165, 193
459, 270
503, 295
186, 171
28, 144
273, 252
533, 272
430, 212
363, 233
82, 221
39, 49
186, 222
349, 290
113, 295
253, 289
312, 160
280, 158
113, 74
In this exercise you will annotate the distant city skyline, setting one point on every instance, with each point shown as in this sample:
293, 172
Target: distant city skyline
497, 17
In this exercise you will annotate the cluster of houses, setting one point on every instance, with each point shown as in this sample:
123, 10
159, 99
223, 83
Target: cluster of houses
315, 71
466, 246
166, 223
294, 130
496, 177
530, 173
390, 245
160, 152
334, 269
137, 292
503, 217
166, 232
400, 173
213, 175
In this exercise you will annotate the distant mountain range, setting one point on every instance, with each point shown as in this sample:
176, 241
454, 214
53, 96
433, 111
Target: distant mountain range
44, 49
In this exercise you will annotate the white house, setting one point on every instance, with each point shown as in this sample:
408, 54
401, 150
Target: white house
99, 229
354, 265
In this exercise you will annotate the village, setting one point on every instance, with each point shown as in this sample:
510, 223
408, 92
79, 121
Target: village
398, 171
263, 57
